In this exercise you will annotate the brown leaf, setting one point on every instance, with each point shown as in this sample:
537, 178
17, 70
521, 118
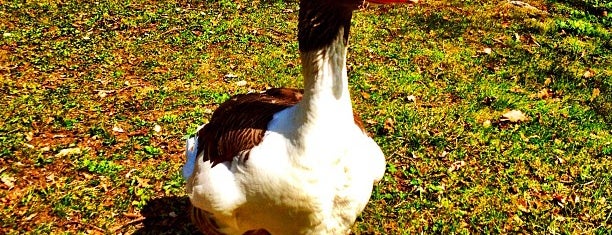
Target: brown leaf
561, 200
522, 206
8, 181
455, 166
547, 82
389, 124
365, 95
595, 94
545, 93
588, 73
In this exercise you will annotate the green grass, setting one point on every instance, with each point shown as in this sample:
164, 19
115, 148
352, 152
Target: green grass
125, 82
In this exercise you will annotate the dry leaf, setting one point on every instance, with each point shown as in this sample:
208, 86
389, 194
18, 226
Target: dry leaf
455, 166
8, 181
560, 160
365, 95
102, 94
241, 83
561, 200
486, 123
545, 93
411, 98
230, 76
157, 128
118, 129
547, 82
389, 124
595, 94
487, 50
30, 217
522, 206
69, 152
514, 116
29, 136
588, 74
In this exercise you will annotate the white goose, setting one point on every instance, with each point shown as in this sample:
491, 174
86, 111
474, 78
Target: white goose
283, 161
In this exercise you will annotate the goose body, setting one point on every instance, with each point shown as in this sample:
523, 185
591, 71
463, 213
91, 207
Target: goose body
286, 161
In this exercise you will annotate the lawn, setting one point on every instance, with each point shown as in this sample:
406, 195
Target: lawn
97, 99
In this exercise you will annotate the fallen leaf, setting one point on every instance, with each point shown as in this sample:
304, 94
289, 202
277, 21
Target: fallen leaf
229, 76
560, 160
545, 93
157, 128
389, 124
561, 200
29, 136
365, 95
455, 166
588, 74
241, 83
118, 129
523, 206
30, 217
547, 82
69, 152
514, 116
411, 98
486, 123
595, 94
8, 181
487, 50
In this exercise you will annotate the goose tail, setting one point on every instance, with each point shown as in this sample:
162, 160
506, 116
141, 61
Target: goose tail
191, 152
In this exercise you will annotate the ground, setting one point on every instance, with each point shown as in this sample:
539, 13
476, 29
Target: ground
98, 99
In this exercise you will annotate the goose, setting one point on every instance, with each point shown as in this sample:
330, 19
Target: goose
288, 161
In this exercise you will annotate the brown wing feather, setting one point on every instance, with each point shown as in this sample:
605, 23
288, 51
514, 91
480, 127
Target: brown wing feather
239, 124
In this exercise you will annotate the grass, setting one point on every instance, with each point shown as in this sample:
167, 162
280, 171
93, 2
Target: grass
98, 98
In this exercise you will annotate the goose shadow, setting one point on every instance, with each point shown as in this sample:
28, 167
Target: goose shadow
167, 215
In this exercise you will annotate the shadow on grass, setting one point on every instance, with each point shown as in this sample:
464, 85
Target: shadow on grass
167, 215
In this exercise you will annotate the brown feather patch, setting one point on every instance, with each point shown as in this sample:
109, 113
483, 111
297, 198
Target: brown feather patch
239, 124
